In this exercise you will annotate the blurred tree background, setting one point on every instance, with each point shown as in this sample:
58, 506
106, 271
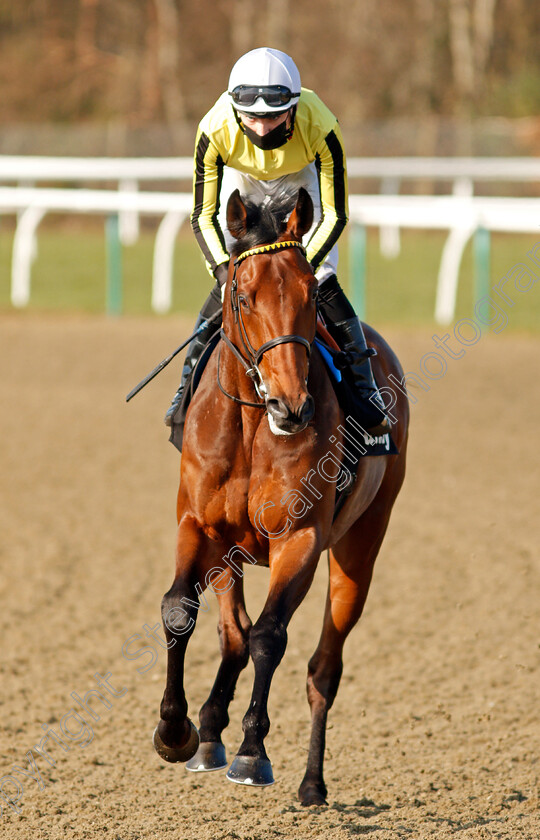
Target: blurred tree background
135, 76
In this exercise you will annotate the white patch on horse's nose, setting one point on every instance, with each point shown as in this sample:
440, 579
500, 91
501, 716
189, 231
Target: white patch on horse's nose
275, 429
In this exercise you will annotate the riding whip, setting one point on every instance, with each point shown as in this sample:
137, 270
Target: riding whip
169, 358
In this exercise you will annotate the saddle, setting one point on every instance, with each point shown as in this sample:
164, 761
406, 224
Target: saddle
357, 443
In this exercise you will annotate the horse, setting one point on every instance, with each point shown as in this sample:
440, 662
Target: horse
250, 451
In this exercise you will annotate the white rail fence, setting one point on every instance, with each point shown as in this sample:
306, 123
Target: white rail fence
32, 203
126, 173
461, 213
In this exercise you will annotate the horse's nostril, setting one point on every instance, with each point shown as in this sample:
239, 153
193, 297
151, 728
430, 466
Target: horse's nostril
308, 410
281, 412
277, 409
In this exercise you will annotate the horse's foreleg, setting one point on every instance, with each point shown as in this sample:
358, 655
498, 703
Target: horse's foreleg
350, 571
291, 574
175, 737
234, 626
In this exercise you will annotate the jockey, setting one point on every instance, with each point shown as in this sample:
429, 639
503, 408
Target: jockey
267, 136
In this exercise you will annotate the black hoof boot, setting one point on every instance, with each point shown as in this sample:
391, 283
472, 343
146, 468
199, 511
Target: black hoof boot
247, 770
210, 756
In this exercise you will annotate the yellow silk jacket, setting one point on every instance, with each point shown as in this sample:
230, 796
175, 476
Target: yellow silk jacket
221, 142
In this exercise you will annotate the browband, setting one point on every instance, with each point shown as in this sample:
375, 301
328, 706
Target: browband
264, 249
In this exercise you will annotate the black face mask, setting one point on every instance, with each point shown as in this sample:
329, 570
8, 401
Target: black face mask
273, 139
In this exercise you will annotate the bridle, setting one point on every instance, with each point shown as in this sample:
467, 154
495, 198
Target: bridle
251, 364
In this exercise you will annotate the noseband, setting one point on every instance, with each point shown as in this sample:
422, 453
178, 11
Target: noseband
255, 356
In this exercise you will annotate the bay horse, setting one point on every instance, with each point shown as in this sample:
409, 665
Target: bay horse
239, 500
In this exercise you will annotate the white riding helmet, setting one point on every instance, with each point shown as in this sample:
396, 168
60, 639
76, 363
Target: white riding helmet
264, 81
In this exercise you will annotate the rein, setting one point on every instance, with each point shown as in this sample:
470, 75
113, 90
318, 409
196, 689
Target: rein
252, 366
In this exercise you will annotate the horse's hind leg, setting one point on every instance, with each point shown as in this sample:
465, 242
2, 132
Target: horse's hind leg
350, 571
233, 628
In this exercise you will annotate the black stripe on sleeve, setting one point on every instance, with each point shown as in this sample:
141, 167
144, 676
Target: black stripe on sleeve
318, 168
336, 150
200, 154
220, 165
339, 173
202, 148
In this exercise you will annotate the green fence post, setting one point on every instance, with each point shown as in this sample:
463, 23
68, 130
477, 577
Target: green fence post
482, 268
114, 267
357, 268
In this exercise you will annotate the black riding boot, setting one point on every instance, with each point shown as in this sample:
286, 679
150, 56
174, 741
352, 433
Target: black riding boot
346, 329
211, 306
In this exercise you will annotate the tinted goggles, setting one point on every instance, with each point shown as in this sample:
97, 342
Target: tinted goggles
275, 96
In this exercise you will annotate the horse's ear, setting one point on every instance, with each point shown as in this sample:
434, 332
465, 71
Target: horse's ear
236, 215
301, 217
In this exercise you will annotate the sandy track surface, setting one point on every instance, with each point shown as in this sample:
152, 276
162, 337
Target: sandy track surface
435, 730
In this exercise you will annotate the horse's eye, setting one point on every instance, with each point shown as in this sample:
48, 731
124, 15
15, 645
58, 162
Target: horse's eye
242, 300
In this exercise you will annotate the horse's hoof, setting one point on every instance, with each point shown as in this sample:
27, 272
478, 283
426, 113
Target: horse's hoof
209, 756
246, 770
176, 754
312, 795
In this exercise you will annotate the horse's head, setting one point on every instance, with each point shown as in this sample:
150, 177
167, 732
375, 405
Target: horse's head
270, 306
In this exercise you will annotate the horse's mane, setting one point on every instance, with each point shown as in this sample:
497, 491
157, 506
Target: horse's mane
265, 222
